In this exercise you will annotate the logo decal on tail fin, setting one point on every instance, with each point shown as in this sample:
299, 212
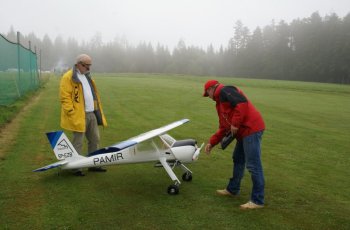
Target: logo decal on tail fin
64, 149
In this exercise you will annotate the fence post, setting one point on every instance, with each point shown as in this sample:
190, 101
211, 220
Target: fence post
18, 64
40, 66
30, 65
38, 74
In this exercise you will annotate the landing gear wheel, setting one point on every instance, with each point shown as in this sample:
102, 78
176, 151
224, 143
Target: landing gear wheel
173, 189
187, 176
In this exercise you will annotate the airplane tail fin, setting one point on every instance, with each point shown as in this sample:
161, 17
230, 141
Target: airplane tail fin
62, 147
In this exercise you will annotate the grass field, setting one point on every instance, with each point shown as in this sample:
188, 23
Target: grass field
306, 158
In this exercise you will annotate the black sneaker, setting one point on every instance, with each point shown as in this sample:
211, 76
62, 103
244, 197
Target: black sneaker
78, 173
97, 169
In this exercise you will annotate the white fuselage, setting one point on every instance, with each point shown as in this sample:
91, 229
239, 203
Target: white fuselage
132, 155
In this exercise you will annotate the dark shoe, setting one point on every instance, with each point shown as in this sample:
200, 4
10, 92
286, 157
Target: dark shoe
98, 169
78, 173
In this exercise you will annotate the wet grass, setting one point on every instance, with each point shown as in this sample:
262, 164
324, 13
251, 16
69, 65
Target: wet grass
305, 157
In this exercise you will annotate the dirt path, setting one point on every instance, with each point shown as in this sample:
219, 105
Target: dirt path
9, 132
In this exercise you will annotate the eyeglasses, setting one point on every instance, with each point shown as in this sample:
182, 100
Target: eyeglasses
85, 65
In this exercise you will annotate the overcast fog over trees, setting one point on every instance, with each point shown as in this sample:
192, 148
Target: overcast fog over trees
310, 49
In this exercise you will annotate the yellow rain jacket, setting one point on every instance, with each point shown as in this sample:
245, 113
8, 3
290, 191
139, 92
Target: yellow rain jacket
73, 105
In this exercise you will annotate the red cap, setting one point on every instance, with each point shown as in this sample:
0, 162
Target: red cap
207, 85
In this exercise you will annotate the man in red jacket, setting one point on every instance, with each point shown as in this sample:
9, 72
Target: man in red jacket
238, 116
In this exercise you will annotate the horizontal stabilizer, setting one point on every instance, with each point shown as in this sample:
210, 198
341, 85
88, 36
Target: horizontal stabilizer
51, 166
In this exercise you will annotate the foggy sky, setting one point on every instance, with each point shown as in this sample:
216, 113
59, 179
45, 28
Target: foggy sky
197, 22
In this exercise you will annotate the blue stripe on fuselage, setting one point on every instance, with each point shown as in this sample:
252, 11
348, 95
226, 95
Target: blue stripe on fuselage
113, 148
103, 151
124, 144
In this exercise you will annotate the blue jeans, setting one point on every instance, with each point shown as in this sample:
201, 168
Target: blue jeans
247, 153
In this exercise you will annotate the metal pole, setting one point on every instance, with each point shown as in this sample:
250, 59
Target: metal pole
40, 64
38, 74
30, 64
18, 64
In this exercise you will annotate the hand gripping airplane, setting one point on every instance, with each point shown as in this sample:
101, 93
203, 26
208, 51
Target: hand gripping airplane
165, 151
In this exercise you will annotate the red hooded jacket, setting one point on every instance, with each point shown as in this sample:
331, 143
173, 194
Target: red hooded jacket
235, 109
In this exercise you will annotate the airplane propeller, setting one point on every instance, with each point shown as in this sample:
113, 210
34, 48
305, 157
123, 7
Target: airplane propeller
197, 152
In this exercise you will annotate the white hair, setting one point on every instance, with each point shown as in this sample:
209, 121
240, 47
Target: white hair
82, 58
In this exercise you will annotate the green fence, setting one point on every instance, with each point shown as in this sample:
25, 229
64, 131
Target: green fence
18, 71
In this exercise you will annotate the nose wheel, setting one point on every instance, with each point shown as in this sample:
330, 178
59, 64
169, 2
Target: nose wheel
187, 176
173, 189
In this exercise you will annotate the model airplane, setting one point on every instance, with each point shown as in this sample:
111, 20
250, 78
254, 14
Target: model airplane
165, 150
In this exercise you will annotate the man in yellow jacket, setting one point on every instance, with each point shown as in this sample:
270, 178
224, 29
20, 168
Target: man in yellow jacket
81, 109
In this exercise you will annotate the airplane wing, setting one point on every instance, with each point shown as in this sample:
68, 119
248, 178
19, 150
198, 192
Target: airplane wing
157, 132
142, 137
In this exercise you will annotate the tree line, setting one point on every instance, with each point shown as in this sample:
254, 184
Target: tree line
313, 49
